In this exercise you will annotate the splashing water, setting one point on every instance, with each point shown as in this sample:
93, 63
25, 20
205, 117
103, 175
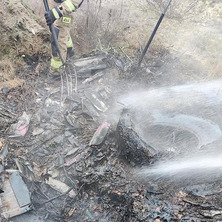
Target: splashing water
202, 102
202, 94
187, 170
188, 165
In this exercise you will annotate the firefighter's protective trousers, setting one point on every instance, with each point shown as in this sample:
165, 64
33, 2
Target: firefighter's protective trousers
63, 27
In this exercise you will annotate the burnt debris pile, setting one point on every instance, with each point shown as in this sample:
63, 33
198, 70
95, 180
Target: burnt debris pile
67, 154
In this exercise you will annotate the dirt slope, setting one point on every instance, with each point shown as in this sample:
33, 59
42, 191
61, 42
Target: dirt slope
21, 34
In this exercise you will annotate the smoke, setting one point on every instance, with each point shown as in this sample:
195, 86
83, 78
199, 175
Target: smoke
192, 42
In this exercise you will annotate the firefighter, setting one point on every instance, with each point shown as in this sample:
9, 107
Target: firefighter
61, 14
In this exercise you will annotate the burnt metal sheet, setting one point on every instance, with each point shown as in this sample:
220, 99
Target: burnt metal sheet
20, 189
9, 204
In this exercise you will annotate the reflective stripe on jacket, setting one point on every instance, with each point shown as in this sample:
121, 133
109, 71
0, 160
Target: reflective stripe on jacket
68, 6
56, 64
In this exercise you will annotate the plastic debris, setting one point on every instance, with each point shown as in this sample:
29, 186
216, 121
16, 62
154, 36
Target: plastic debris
60, 186
21, 128
37, 131
72, 119
201, 190
86, 66
75, 158
89, 109
211, 213
93, 78
100, 134
94, 99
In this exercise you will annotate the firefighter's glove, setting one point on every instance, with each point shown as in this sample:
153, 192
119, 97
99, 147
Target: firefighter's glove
52, 15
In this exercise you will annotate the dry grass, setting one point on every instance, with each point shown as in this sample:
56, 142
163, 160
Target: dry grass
6, 69
7, 74
192, 10
21, 34
36, 6
178, 9
99, 26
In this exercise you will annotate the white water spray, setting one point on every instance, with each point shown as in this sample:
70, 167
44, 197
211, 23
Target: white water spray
202, 94
189, 165
199, 101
